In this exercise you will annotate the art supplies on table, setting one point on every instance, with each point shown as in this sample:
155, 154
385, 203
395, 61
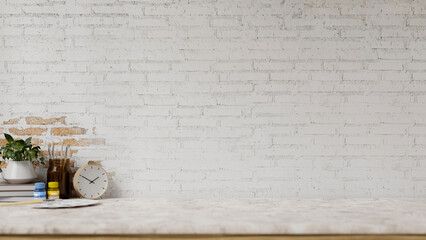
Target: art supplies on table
60, 171
53, 191
67, 203
21, 202
40, 191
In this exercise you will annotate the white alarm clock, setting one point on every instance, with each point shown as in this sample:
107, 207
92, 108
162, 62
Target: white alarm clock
91, 181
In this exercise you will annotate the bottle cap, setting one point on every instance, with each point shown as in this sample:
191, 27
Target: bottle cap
53, 184
39, 185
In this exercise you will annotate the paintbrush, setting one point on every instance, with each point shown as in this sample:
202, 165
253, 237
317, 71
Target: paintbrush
62, 151
21, 203
66, 152
53, 150
49, 149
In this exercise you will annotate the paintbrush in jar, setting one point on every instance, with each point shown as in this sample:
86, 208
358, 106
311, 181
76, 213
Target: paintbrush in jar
62, 151
67, 148
49, 150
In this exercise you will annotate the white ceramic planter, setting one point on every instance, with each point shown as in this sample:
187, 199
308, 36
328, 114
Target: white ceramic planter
19, 172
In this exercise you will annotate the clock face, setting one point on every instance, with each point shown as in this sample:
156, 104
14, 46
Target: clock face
91, 181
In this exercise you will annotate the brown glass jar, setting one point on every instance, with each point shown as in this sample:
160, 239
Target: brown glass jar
59, 171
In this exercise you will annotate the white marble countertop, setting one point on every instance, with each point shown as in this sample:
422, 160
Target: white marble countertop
222, 216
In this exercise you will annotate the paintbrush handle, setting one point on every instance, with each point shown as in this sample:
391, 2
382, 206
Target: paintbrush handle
21, 203
68, 152
49, 150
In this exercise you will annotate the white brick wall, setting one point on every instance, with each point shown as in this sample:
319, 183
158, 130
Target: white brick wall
229, 98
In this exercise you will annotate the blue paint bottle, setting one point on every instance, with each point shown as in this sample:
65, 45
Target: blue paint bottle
39, 191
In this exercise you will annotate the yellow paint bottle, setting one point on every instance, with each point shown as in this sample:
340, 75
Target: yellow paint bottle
52, 191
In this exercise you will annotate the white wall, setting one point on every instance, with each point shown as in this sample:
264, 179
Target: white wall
226, 98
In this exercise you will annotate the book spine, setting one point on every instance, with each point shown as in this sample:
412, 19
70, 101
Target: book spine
17, 194
15, 199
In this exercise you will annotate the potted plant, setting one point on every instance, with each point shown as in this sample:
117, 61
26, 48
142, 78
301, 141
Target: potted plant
20, 156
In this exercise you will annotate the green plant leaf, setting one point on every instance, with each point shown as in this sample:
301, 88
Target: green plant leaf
28, 141
9, 154
31, 154
18, 145
18, 156
8, 137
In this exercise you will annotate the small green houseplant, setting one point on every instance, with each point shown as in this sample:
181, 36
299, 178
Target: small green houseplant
20, 156
20, 150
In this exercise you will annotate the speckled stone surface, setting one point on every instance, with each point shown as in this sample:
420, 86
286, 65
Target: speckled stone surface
222, 216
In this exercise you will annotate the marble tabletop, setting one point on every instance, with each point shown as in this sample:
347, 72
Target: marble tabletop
222, 216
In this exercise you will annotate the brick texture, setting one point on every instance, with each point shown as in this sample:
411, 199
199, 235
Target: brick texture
227, 98
27, 131
84, 142
12, 121
41, 121
63, 131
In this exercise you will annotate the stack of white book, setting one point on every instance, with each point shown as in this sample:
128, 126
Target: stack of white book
16, 192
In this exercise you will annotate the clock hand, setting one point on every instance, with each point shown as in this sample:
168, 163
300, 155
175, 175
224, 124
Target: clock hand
86, 178
93, 181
